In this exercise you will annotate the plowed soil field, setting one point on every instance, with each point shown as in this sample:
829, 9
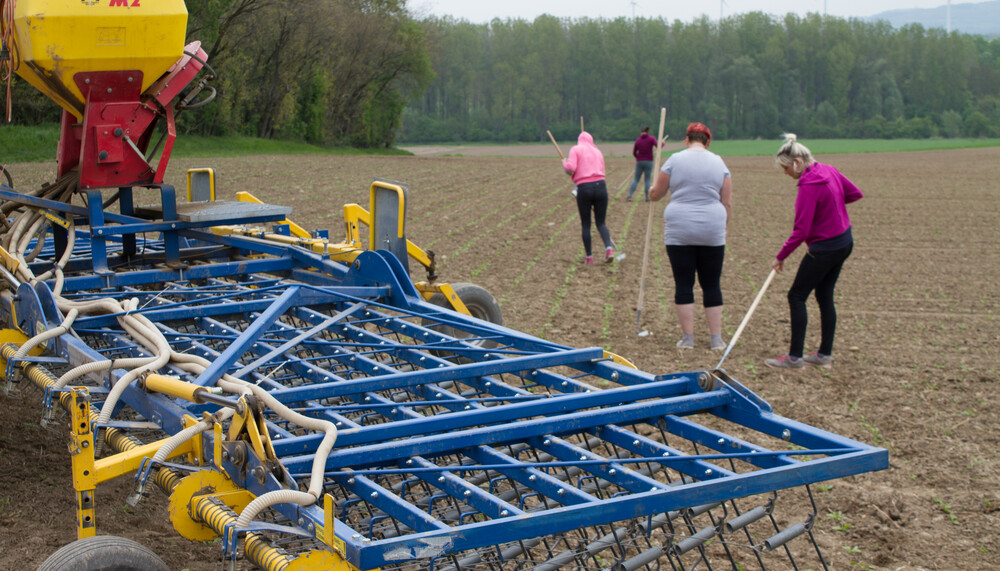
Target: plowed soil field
916, 370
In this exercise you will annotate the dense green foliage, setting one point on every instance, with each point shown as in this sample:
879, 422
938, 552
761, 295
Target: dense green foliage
751, 75
326, 72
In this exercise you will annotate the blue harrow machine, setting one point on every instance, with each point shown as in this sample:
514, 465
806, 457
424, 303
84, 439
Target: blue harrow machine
309, 403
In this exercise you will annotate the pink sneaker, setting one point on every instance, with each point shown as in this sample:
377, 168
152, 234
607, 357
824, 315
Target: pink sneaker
609, 255
589, 261
824, 361
785, 362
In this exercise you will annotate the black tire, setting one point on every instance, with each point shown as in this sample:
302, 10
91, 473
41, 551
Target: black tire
480, 303
104, 553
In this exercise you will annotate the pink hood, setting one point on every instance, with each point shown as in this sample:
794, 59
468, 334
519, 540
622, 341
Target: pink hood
585, 162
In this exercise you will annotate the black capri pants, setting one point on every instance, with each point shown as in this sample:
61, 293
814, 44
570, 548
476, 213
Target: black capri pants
705, 262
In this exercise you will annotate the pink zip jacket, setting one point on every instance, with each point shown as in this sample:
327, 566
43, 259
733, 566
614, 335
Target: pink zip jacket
820, 207
585, 162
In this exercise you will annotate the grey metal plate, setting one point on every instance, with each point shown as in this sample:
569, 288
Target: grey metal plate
218, 210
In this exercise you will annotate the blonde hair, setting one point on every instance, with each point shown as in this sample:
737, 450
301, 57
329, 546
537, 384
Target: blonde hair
793, 153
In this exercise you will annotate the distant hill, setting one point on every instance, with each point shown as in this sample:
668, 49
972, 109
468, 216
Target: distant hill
982, 18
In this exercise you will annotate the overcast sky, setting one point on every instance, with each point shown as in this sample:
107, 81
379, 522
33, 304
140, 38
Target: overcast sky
483, 11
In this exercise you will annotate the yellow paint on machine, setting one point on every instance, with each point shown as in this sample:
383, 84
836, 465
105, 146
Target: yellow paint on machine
95, 35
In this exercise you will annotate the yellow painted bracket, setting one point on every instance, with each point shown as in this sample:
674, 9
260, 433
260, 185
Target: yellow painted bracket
248, 425
191, 489
193, 175
81, 450
9, 261
197, 454
325, 560
130, 461
318, 559
57, 220
619, 359
400, 216
344, 252
16, 337
427, 290
295, 228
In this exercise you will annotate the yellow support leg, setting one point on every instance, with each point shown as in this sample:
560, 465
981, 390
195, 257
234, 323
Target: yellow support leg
81, 449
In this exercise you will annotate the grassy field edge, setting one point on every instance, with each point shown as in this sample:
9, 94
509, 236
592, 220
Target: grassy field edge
27, 144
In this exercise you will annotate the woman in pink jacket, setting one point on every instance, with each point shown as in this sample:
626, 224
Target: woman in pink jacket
821, 222
585, 165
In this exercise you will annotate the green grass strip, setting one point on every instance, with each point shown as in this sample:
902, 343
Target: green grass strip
37, 143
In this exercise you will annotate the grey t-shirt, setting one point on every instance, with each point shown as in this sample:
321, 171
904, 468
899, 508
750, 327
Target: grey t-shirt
695, 216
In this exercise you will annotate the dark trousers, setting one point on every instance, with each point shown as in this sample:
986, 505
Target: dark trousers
593, 196
818, 271
703, 261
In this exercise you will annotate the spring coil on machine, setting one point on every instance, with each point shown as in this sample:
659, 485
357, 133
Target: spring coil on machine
215, 514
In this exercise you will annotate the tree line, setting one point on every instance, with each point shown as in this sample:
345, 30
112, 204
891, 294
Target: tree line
367, 73
751, 75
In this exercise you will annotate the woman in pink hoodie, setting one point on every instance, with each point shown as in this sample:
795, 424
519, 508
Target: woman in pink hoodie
585, 165
821, 222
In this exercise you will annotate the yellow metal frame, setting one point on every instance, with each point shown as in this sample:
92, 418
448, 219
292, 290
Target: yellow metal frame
344, 252
211, 179
8, 261
400, 216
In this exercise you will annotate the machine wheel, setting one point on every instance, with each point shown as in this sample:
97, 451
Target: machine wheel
481, 304
104, 553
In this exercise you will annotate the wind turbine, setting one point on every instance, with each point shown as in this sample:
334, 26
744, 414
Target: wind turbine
721, 4
947, 26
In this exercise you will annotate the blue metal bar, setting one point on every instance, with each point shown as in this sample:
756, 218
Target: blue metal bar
457, 487
390, 503
491, 415
232, 353
561, 519
614, 472
171, 243
399, 380
99, 252
542, 482
298, 339
375, 454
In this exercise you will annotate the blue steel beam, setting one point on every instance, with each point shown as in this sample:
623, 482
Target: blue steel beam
375, 454
490, 416
457, 372
241, 346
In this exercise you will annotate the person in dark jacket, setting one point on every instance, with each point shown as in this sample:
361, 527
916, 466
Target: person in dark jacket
642, 150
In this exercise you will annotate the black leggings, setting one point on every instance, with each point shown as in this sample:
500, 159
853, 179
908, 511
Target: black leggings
706, 262
593, 195
817, 271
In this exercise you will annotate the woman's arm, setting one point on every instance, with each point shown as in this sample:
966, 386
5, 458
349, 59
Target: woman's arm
726, 196
661, 187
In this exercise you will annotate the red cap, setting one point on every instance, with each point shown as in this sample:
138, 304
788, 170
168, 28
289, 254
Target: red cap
699, 128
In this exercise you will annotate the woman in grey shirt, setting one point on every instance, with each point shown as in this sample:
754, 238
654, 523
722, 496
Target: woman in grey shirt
694, 229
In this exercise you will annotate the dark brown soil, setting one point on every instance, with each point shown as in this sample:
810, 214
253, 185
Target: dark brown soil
917, 357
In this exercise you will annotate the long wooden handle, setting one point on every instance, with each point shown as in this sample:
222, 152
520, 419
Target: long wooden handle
649, 225
746, 318
558, 150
